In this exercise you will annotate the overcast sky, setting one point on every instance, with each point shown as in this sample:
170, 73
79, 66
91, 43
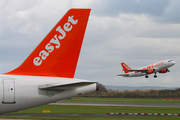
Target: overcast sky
137, 32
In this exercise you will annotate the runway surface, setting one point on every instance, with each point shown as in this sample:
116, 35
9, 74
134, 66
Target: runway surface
79, 115
119, 104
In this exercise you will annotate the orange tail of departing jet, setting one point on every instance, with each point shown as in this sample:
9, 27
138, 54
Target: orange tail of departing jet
125, 67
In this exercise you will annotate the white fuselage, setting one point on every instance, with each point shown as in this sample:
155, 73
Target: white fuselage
22, 92
156, 66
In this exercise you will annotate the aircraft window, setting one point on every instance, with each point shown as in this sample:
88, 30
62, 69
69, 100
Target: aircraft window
169, 60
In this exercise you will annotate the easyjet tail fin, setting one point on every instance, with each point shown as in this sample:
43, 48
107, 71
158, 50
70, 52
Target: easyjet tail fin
57, 55
125, 67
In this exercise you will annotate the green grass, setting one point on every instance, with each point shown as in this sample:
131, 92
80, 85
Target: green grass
122, 100
73, 109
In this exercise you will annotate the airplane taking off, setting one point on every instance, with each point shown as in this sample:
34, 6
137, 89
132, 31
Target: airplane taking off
161, 67
47, 75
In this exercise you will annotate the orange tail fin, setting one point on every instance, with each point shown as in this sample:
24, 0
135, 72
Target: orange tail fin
125, 67
58, 53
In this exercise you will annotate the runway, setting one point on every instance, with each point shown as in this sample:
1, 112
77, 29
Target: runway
83, 115
119, 104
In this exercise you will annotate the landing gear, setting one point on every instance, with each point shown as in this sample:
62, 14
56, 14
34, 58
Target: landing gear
146, 76
155, 76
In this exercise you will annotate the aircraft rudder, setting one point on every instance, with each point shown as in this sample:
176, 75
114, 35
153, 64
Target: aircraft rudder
125, 67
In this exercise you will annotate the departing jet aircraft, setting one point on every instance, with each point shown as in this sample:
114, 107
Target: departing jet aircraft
161, 67
47, 75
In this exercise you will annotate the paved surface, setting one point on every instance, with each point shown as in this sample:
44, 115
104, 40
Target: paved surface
12, 119
78, 115
111, 104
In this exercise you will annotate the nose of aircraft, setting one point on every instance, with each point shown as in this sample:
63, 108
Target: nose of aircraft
173, 62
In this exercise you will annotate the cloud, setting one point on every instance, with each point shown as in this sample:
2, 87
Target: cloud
171, 13
133, 38
137, 32
116, 7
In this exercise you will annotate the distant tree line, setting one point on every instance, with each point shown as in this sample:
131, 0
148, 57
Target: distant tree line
152, 93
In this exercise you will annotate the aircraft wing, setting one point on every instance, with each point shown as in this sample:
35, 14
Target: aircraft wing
144, 70
122, 74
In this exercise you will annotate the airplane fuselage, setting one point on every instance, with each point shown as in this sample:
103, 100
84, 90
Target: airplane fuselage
22, 92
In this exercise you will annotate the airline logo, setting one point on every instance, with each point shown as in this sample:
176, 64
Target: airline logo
150, 67
43, 54
153, 66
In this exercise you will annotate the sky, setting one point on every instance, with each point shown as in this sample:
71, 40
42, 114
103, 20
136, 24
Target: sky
137, 32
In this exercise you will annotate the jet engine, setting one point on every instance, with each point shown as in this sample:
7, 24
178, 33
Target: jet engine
164, 70
150, 71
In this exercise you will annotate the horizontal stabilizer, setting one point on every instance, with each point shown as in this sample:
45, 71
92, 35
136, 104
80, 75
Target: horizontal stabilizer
61, 87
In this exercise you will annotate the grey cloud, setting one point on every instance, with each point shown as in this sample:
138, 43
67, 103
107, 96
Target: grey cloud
160, 10
118, 31
171, 13
115, 7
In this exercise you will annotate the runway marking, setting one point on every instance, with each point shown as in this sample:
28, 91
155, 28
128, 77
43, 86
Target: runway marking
145, 114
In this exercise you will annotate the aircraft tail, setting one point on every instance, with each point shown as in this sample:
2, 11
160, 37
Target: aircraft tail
57, 55
125, 67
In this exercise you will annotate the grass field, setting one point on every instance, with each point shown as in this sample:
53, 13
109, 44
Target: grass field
73, 109
123, 100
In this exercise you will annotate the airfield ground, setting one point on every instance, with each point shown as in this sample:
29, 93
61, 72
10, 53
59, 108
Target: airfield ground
90, 110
